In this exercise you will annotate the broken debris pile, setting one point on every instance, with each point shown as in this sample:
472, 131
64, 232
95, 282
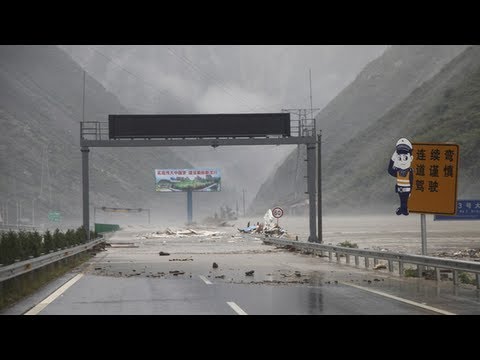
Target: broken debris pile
473, 254
179, 233
269, 227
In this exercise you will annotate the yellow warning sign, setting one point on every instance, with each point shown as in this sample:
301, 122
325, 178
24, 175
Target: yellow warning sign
435, 169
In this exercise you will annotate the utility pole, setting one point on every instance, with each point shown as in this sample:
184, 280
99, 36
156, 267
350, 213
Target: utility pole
33, 212
319, 186
243, 202
83, 102
311, 101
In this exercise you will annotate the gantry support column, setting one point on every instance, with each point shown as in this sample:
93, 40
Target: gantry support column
85, 189
311, 184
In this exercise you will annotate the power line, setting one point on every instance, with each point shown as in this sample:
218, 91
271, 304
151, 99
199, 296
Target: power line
311, 103
174, 97
206, 75
181, 101
293, 100
83, 102
221, 84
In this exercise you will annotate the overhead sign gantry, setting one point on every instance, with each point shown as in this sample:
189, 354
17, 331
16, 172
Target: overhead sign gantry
198, 130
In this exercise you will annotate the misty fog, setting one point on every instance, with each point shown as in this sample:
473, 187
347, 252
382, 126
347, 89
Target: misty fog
225, 79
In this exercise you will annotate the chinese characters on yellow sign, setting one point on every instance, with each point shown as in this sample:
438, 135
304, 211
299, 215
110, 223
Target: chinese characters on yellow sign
434, 188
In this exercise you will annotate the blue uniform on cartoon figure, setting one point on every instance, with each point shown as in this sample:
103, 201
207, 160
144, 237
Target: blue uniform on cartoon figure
399, 167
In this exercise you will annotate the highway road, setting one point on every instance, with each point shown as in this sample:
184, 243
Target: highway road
130, 277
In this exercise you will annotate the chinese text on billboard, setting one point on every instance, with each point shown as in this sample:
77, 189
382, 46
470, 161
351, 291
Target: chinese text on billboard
175, 180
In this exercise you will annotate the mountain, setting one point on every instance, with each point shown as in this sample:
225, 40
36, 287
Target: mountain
444, 109
379, 87
224, 79
41, 90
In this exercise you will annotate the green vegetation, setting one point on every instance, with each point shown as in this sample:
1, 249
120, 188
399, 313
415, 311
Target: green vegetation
20, 286
466, 278
194, 184
348, 244
443, 109
410, 273
362, 122
185, 184
22, 244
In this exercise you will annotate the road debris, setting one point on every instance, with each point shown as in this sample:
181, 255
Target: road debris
176, 272
248, 229
122, 245
162, 253
379, 266
220, 277
269, 227
186, 259
167, 233
468, 254
215, 265
249, 273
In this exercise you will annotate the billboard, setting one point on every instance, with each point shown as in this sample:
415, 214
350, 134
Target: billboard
198, 125
434, 188
183, 180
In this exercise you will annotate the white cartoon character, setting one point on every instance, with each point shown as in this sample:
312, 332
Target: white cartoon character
399, 167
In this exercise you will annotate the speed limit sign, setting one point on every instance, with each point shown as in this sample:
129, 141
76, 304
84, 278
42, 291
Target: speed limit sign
277, 212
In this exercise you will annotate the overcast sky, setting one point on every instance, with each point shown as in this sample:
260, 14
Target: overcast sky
222, 79
225, 78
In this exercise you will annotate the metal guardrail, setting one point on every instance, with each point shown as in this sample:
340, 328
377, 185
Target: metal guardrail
421, 261
23, 267
6, 227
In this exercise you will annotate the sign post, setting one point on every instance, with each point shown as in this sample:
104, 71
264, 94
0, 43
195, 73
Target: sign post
189, 207
434, 189
277, 213
423, 227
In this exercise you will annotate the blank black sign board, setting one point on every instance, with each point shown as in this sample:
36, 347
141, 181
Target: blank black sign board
201, 125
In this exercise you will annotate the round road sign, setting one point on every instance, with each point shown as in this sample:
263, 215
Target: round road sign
277, 212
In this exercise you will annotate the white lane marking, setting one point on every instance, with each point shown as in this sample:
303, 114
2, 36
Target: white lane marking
410, 302
43, 304
208, 282
236, 308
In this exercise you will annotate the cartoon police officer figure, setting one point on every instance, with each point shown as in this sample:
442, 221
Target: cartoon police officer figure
399, 167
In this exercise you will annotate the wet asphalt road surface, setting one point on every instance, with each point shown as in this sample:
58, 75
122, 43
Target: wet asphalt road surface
131, 278
144, 296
